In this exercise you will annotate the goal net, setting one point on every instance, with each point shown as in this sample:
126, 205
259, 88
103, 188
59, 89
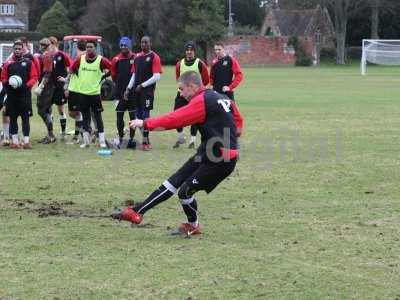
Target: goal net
380, 52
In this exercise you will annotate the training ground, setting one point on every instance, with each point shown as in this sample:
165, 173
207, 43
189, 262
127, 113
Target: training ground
312, 211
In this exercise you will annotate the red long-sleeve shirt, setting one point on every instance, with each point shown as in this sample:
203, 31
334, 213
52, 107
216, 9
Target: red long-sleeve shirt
193, 113
36, 62
105, 64
33, 74
236, 70
212, 113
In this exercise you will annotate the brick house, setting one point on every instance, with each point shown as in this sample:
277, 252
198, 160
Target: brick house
307, 24
14, 16
253, 50
312, 27
300, 23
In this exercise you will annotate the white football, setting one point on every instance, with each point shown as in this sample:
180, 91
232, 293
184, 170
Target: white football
15, 81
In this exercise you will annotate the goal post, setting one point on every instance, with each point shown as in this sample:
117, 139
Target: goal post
380, 52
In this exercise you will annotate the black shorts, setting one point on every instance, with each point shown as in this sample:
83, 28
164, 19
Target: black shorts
44, 101
58, 95
19, 106
74, 101
90, 103
202, 176
125, 105
230, 95
144, 99
180, 102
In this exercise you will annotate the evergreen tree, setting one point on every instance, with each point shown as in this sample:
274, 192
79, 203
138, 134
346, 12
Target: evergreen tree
205, 22
55, 21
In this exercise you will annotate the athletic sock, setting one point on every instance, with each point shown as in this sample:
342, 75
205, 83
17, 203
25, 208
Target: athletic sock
26, 139
76, 128
63, 122
181, 135
6, 130
79, 125
86, 138
120, 124
164, 192
190, 208
15, 139
49, 122
102, 138
146, 139
192, 139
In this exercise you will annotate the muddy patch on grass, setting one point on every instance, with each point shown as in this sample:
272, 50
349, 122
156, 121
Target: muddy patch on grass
20, 202
64, 209
55, 209
52, 209
128, 202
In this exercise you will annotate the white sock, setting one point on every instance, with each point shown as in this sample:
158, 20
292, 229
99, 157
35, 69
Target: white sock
26, 139
86, 138
181, 135
79, 117
15, 139
192, 138
194, 224
6, 130
102, 138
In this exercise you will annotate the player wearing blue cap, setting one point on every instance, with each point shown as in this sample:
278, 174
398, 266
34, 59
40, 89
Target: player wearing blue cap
121, 66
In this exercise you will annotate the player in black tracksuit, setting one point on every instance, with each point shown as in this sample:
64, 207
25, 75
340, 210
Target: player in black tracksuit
19, 99
225, 73
121, 66
6, 119
220, 123
146, 71
61, 63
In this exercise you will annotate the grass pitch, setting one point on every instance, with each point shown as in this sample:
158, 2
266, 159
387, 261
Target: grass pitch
312, 211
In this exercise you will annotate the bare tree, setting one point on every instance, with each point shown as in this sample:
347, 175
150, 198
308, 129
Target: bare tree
135, 18
377, 8
342, 10
375, 5
121, 15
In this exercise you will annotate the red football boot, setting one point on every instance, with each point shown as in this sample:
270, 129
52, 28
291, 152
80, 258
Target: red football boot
187, 229
15, 146
27, 146
146, 147
128, 214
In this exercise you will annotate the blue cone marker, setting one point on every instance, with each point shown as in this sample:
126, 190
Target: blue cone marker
105, 152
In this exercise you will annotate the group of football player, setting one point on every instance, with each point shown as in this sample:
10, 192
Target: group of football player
58, 80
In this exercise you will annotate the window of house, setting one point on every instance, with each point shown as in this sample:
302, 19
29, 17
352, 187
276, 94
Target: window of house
7, 9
